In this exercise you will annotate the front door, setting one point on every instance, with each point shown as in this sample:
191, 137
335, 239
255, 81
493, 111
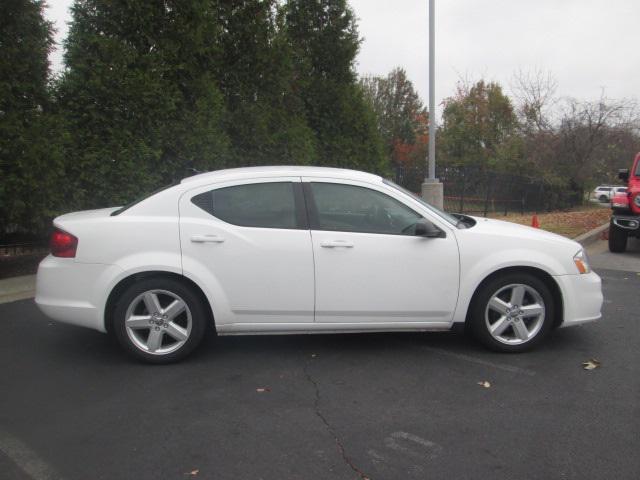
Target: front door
369, 266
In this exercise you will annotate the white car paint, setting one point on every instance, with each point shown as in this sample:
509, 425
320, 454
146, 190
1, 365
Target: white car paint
254, 275
382, 278
265, 280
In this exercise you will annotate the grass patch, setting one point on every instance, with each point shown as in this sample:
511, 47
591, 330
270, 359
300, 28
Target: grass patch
569, 223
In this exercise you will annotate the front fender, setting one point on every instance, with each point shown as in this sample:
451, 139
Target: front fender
474, 272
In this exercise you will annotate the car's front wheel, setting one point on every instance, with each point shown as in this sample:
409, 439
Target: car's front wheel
512, 312
159, 320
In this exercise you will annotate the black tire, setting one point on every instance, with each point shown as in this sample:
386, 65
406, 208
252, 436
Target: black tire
603, 198
477, 321
162, 288
617, 238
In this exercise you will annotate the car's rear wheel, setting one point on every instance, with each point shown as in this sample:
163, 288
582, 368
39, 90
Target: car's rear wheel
617, 238
512, 312
159, 320
603, 198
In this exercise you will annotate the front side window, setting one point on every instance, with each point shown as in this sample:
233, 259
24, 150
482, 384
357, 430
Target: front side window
265, 205
349, 208
442, 214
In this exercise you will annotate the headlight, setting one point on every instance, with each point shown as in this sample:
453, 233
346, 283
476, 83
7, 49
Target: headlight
582, 262
636, 200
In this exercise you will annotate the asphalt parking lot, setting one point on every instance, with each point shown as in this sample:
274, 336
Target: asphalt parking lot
378, 406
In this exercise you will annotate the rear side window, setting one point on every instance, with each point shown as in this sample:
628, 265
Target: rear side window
264, 205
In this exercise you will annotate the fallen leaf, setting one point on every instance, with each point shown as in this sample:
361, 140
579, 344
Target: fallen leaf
193, 473
592, 364
484, 384
263, 389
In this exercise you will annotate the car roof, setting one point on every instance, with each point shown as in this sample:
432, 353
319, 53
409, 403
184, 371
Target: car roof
279, 171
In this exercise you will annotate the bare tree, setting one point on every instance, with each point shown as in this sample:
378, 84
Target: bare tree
535, 98
570, 141
588, 131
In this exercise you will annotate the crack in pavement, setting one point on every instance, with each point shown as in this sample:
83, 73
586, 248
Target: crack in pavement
330, 429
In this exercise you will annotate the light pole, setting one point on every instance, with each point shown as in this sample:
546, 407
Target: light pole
432, 190
432, 92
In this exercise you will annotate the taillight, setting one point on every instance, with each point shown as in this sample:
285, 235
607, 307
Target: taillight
63, 244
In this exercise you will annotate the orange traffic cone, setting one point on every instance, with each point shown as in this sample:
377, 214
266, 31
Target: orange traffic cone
534, 221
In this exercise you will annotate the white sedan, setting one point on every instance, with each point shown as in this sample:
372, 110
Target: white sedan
306, 250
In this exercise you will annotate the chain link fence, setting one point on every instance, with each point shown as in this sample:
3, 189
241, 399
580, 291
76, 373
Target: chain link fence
480, 191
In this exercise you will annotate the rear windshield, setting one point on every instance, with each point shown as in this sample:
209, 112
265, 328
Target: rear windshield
138, 200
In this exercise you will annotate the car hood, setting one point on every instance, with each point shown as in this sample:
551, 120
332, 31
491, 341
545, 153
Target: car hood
517, 231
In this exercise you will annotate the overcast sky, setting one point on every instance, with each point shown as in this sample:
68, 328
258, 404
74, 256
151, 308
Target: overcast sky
585, 44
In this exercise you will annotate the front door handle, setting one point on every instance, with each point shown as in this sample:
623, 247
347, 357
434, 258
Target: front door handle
207, 239
336, 244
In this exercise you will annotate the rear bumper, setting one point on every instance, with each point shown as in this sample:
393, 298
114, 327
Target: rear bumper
582, 298
71, 292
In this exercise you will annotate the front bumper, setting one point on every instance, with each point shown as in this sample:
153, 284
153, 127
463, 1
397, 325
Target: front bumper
582, 298
74, 292
627, 222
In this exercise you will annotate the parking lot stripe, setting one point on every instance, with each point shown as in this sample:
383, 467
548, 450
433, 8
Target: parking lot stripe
26, 459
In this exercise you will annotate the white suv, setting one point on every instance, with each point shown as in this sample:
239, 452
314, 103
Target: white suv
604, 193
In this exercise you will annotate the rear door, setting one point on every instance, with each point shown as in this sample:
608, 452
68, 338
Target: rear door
248, 243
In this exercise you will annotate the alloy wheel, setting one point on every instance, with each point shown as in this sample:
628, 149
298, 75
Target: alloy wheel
515, 314
158, 322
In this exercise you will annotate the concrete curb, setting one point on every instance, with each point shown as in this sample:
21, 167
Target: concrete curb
592, 235
17, 288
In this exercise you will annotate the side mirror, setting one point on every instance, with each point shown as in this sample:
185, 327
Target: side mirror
623, 174
425, 228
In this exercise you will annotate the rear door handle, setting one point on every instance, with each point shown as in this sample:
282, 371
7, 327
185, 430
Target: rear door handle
336, 244
207, 239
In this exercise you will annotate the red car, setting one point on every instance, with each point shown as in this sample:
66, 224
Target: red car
625, 220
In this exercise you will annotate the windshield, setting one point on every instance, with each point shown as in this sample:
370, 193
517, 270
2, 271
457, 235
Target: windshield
444, 215
135, 202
